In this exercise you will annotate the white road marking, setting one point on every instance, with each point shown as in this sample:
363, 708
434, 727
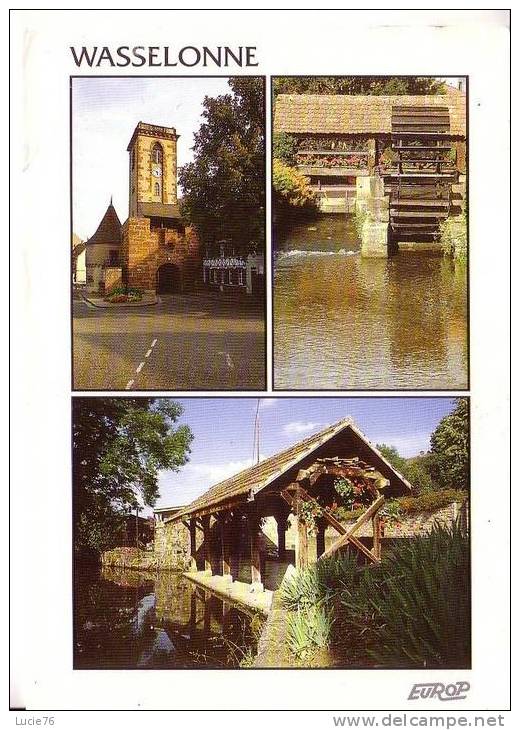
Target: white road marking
140, 367
148, 353
154, 343
129, 384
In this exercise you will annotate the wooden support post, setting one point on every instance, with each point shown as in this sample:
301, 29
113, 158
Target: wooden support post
224, 541
281, 525
320, 537
253, 524
193, 544
207, 544
376, 530
302, 546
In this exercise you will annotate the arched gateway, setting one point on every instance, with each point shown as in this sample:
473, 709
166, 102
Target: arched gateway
168, 279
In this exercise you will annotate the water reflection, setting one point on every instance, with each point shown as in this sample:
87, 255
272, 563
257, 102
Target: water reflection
346, 322
130, 619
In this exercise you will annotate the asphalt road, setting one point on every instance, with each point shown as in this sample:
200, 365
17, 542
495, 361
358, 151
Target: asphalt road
181, 343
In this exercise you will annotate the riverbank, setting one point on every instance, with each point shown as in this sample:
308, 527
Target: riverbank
133, 559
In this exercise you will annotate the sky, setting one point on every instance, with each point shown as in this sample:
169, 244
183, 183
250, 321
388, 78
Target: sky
105, 112
223, 432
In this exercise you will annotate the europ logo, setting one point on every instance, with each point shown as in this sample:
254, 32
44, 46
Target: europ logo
432, 690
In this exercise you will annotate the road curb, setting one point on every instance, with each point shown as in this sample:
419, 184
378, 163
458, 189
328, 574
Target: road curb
119, 305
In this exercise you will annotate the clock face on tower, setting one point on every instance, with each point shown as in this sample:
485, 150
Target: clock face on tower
157, 172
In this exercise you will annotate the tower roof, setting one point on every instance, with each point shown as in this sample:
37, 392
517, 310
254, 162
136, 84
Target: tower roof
109, 230
152, 130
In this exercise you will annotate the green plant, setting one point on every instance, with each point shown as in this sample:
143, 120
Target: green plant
284, 148
302, 589
309, 629
391, 511
414, 607
309, 511
291, 186
355, 492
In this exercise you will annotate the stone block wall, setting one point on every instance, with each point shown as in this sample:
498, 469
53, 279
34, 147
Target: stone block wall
145, 249
172, 545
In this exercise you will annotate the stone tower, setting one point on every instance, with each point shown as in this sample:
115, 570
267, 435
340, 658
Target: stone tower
158, 252
152, 185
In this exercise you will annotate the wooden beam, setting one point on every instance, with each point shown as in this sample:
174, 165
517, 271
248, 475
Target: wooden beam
302, 542
224, 540
281, 527
193, 544
320, 537
256, 568
374, 507
211, 510
207, 544
376, 532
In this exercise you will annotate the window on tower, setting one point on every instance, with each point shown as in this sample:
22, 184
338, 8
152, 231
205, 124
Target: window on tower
157, 154
157, 188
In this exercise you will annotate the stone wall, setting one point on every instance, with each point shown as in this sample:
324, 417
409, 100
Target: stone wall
145, 249
409, 525
172, 545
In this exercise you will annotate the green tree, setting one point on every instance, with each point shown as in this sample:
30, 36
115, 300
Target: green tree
393, 456
119, 447
450, 447
224, 187
375, 85
417, 470
284, 148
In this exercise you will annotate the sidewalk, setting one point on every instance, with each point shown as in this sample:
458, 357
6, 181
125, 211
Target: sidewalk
147, 301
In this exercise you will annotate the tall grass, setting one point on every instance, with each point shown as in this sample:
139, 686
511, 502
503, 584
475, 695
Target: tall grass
411, 610
309, 629
414, 608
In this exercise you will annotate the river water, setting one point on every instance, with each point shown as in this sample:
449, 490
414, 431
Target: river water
344, 322
126, 619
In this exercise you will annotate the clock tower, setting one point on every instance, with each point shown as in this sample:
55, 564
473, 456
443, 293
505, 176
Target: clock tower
152, 190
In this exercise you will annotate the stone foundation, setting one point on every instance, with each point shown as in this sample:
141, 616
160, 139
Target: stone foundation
372, 202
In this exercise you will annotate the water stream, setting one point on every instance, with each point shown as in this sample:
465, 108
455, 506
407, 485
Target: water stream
128, 619
345, 322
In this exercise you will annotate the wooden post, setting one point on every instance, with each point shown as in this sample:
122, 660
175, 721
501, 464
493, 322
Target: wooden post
376, 530
224, 541
253, 524
193, 544
207, 543
320, 537
281, 525
302, 546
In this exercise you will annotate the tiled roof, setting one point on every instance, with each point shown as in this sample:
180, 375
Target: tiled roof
159, 210
357, 114
253, 479
109, 230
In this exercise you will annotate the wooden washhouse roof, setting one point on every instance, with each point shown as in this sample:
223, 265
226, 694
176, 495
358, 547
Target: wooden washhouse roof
109, 230
358, 114
249, 482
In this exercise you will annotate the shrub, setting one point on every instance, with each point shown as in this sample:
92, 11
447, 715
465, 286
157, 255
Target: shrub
284, 147
302, 589
291, 186
309, 629
414, 607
